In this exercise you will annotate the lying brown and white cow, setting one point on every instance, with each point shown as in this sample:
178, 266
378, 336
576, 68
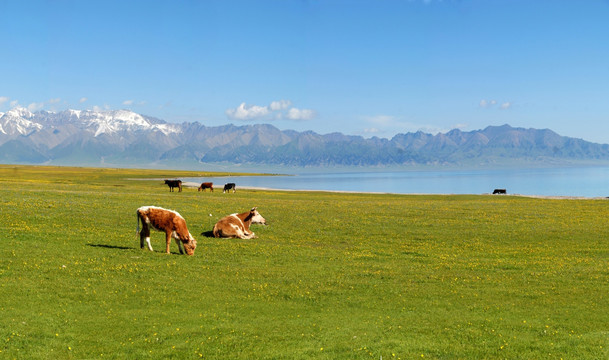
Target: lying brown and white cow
238, 225
168, 221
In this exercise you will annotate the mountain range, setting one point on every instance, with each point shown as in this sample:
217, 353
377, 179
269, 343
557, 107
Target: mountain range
125, 138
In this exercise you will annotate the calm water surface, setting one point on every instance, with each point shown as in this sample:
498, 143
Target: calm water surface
585, 181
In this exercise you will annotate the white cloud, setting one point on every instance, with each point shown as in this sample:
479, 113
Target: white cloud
300, 114
33, 107
492, 104
276, 110
128, 102
3, 99
82, 100
382, 120
14, 103
245, 112
487, 103
280, 105
97, 108
54, 101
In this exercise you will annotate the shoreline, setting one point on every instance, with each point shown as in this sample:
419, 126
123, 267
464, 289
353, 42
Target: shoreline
550, 197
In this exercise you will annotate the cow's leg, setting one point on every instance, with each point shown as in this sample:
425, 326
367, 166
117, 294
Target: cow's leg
142, 238
237, 232
242, 233
180, 246
167, 240
148, 243
178, 242
145, 237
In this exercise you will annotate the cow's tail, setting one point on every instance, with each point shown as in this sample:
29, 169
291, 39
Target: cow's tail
137, 229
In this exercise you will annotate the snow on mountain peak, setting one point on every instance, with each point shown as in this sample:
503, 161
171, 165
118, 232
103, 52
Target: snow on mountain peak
130, 117
20, 112
20, 121
112, 121
16, 121
119, 120
74, 112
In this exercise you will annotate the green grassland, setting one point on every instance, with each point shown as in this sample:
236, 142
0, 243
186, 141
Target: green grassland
333, 276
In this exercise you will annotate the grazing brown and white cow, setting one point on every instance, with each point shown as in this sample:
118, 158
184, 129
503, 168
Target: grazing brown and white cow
207, 185
168, 221
238, 225
174, 184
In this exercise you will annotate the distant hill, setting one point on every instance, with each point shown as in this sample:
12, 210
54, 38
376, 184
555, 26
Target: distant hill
124, 138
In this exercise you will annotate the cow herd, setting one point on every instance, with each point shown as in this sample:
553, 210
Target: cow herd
170, 222
210, 185
206, 185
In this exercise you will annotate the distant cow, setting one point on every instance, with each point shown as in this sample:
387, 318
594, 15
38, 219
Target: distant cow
499, 191
228, 187
238, 225
168, 221
207, 185
174, 184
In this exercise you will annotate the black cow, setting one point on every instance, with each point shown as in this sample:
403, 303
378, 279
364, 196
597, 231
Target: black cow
228, 187
499, 191
174, 184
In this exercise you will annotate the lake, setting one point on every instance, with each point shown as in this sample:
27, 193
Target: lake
571, 181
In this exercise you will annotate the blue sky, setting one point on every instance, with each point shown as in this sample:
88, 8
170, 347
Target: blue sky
370, 68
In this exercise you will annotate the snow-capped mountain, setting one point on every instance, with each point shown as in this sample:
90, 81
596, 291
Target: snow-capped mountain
102, 122
125, 138
18, 122
120, 136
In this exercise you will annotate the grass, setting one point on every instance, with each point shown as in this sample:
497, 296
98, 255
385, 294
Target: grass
333, 276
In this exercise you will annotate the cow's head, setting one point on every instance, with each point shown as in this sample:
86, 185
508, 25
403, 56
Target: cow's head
190, 245
256, 217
